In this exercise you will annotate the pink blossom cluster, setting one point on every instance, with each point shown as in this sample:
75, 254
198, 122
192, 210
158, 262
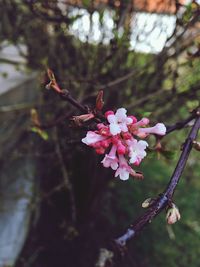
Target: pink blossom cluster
120, 136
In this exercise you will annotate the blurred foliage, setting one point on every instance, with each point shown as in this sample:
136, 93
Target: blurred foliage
82, 206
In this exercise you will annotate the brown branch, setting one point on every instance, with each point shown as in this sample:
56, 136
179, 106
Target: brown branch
181, 124
166, 197
65, 95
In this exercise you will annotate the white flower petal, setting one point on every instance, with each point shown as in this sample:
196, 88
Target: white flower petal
111, 118
114, 129
160, 129
117, 172
129, 121
84, 140
92, 138
123, 127
124, 175
114, 165
121, 114
105, 162
142, 144
133, 157
142, 154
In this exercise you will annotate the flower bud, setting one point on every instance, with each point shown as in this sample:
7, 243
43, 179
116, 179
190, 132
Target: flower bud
115, 139
100, 126
100, 150
51, 75
137, 162
158, 129
147, 203
134, 120
127, 135
196, 145
141, 135
121, 149
104, 131
78, 120
35, 117
96, 145
99, 101
105, 143
142, 122
137, 175
109, 112
173, 215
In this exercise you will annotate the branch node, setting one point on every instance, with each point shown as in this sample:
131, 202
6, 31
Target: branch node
105, 256
196, 145
121, 241
64, 93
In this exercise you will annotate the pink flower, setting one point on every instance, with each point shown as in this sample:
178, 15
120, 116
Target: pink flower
124, 169
121, 149
123, 173
111, 160
142, 122
136, 150
119, 135
92, 138
158, 129
118, 121
136, 126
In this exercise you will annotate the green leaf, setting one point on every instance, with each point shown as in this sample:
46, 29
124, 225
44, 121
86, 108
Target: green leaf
146, 114
43, 134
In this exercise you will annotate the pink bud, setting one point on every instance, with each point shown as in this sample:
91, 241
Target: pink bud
133, 118
100, 126
83, 118
137, 162
109, 112
99, 100
121, 149
142, 122
137, 175
135, 126
141, 135
96, 145
100, 151
115, 139
159, 129
104, 131
127, 135
105, 143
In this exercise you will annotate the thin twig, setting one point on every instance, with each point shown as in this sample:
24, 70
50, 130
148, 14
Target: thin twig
181, 124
